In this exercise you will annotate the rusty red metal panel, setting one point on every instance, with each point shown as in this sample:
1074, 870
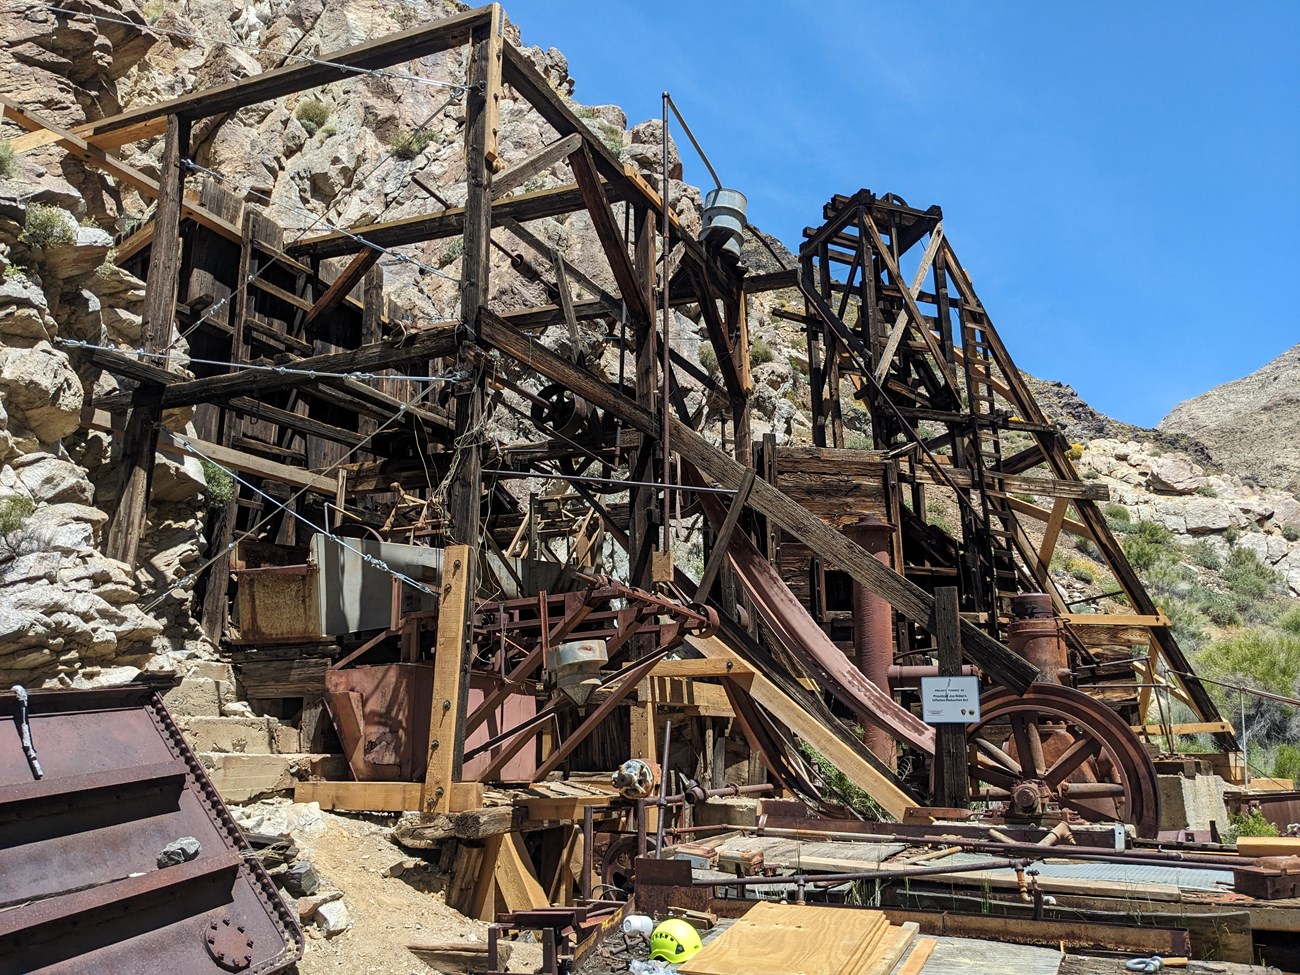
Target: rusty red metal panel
80, 885
381, 713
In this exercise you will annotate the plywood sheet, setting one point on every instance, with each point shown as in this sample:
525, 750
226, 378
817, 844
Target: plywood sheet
804, 940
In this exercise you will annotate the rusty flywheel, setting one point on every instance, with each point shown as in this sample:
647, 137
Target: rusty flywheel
1055, 746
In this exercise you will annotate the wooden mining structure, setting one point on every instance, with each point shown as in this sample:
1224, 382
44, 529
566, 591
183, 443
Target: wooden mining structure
829, 581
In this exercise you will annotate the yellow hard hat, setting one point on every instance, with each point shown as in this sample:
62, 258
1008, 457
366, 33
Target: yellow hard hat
673, 941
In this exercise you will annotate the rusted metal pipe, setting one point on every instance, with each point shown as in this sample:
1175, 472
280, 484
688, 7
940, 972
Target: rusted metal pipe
898, 673
873, 628
839, 878
698, 794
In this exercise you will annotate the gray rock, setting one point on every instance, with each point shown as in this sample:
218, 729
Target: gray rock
52, 480
333, 918
308, 906
179, 851
300, 879
41, 389
1176, 475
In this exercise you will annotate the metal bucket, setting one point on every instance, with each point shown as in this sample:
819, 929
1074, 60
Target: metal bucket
724, 216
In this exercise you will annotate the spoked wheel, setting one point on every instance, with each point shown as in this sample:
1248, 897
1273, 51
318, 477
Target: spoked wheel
1055, 745
618, 865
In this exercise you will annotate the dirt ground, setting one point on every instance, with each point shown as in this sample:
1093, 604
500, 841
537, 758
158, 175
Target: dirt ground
388, 913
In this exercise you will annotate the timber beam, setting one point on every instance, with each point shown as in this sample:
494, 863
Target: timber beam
383, 52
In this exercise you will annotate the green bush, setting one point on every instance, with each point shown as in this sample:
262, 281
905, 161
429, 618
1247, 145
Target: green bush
1291, 532
407, 145
1205, 555
1116, 514
1252, 823
8, 161
221, 486
454, 250
760, 352
839, 785
1252, 584
312, 114
47, 226
1286, 762
14, 510
708, 359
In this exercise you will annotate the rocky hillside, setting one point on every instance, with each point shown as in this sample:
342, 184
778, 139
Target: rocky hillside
1249, 425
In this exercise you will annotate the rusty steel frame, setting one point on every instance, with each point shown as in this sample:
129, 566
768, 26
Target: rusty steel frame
80, 884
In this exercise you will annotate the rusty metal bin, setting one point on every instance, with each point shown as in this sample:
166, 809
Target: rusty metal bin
80, 885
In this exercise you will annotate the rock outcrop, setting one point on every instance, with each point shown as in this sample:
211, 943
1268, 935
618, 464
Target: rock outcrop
1249, 425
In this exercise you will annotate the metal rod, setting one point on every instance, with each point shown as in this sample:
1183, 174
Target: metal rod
839, 878
663, 788
668, 100
667, 349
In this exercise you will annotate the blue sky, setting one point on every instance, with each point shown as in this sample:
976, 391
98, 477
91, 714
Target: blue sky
1120, 179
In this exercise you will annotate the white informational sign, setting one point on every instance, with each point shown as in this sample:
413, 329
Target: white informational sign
950, 700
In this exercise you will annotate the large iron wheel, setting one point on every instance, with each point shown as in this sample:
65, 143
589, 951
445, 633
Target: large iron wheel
1055, 745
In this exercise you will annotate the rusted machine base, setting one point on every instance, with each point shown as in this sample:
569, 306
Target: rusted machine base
81, 888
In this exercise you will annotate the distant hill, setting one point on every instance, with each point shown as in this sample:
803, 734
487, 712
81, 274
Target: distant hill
1250, 425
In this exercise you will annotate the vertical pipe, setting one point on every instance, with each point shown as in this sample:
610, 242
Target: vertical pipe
667, 350
663, 788
1245, 738
873, 626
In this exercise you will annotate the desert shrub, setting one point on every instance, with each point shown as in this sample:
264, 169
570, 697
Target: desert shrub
407, 145
1252, 823
312, 114
1265, 658
47, 226
454, 250
839, 785
8, 161
936, 514
1218, 608
221, 486
708, 359
1252, 584
1291, 532
1075, 452
1116, 514
1086, 546
760, 352
1286, 762
1205, 555
14, 510
1082, 570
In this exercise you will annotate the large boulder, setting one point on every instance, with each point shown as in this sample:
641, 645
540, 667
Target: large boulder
42, 391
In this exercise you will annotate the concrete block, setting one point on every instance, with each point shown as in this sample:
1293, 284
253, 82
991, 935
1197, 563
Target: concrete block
1191, 803
217, 670
726, 811
286, 739
254, 736
243, 778
194, 696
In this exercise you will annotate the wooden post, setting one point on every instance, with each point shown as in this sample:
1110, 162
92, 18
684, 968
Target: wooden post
216, 602
951, 784
139, 445
642, 527
465, 494
450, 678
